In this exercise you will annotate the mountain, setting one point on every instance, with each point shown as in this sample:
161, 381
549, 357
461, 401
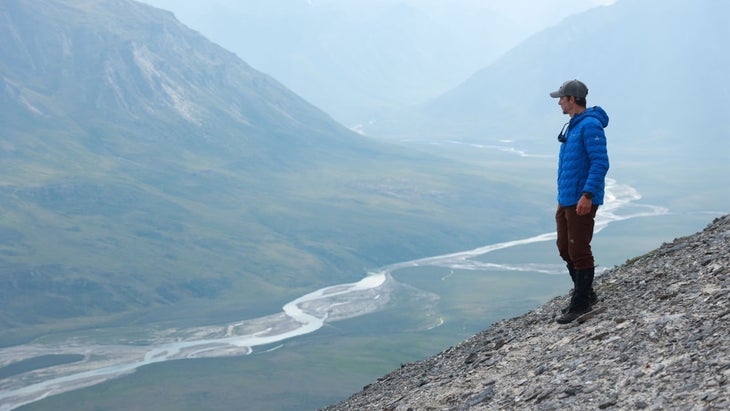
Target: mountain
150, 175
640, 50
656, 340
122, 62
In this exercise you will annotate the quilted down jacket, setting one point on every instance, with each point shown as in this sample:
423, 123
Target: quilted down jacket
583, 161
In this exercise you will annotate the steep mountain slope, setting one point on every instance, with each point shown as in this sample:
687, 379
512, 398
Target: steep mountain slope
656, 341
122, 61
148, 173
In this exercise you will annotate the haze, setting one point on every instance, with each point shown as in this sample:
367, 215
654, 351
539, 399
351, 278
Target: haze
359, 59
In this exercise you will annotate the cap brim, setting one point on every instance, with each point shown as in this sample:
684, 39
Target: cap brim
556, 94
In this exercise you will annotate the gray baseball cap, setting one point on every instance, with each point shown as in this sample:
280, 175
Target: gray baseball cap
573, 88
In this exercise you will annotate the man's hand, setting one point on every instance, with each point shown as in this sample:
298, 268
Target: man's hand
584, 205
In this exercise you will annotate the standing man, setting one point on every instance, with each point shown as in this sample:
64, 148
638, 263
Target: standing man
582, 168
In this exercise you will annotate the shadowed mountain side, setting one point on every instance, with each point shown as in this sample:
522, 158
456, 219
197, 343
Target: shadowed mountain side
148, 173
656, 340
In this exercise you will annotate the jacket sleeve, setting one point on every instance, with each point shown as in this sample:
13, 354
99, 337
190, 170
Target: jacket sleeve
595, 144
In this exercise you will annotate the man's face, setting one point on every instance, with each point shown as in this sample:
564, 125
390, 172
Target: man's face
566, 103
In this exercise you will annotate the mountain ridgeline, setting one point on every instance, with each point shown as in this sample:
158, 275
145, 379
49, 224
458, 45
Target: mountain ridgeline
147, 171
654, 64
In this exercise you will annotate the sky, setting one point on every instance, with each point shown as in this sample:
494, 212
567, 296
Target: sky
533, 14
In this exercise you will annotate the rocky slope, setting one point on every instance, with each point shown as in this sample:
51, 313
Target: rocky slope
657, 340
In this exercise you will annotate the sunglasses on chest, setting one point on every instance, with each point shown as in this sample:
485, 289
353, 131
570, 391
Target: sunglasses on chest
562, 137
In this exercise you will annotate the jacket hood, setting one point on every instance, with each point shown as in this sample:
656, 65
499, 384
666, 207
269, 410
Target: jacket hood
596, 112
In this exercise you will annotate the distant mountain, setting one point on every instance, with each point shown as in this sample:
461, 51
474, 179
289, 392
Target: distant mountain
655, 65
148, 175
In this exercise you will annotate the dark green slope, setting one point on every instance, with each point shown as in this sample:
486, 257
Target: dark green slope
149, 175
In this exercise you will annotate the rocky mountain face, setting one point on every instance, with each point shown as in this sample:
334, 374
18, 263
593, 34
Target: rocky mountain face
657, 340
130, 64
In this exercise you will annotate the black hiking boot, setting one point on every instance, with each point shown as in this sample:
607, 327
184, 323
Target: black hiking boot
592, 297
581, 298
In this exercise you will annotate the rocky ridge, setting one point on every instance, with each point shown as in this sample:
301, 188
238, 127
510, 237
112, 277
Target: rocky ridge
656, 340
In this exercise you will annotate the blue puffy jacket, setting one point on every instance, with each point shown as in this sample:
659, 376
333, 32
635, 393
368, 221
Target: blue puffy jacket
583, 162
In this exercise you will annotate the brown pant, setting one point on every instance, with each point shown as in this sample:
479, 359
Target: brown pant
575, 233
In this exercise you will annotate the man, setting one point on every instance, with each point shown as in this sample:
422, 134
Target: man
582, 168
